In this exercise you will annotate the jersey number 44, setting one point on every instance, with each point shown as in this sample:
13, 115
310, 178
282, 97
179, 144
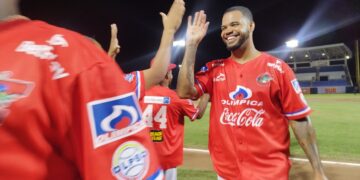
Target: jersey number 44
160, 116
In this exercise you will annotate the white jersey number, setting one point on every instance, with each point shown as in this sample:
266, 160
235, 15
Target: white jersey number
160, 116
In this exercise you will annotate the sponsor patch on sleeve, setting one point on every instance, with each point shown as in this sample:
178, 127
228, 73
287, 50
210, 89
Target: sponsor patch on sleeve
131, 160
204, 69
114, 118
296, 86
129, 77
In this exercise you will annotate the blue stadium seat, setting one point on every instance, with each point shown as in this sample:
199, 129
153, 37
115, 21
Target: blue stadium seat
331, 68
306, 70
305, 83
337, 82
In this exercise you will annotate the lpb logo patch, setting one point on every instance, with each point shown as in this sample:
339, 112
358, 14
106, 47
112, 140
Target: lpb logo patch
114, 118
130, 161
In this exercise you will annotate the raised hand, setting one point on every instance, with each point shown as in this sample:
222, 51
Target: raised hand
172, 20
114, 48
196, 30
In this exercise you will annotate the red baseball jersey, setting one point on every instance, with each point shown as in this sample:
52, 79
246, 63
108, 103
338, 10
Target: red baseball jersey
64, 111
164, 113
251, 106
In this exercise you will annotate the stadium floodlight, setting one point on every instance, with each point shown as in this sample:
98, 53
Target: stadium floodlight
179, 43
293, 43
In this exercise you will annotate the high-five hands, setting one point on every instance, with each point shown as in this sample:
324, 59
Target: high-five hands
172, 20
196, 29
114, 48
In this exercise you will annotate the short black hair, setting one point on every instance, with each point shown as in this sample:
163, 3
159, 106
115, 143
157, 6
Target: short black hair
244, 10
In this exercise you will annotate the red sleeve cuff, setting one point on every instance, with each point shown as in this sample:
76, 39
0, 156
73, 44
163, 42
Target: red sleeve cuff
200, 91
299, 114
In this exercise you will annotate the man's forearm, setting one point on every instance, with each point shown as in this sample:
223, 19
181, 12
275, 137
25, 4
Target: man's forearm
163, 55
158, 69
305, 134
202, 104
185, 83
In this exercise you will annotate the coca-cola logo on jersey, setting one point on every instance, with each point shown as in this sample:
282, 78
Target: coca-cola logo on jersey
249, 117
246, 112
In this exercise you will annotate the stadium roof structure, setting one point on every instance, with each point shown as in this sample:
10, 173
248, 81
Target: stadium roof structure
329, 52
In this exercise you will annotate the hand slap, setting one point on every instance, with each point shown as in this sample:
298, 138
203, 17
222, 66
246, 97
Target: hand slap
114, 48
197, 28
173, 19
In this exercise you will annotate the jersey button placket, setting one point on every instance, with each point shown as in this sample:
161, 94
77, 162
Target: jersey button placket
241, 146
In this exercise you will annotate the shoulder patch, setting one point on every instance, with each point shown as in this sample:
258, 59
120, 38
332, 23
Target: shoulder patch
131, 160
204, 69
129, 77
114, 118
296, 86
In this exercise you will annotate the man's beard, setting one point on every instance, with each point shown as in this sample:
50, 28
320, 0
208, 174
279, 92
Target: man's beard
239, 43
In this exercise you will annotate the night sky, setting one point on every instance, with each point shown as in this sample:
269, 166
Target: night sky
313, 22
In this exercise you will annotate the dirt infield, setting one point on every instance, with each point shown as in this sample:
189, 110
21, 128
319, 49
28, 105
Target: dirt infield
299, 171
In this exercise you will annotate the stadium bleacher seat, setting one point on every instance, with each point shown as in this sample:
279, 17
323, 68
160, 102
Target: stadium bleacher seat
331, 68
336, 82
306, 70
305, 83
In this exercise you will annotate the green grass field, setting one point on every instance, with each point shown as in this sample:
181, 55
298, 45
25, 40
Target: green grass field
336, 118
188, 174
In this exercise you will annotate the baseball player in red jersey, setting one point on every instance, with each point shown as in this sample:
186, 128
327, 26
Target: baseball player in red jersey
65, 113
254, 96
164, 113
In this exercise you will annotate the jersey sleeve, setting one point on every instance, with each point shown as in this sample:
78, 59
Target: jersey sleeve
106, 122
137, 82
188, 108
203, 81
293, 102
